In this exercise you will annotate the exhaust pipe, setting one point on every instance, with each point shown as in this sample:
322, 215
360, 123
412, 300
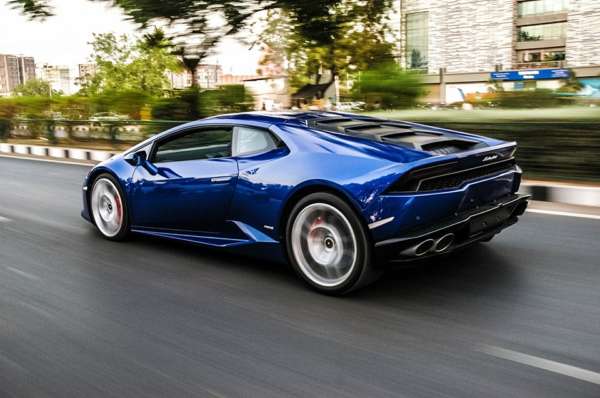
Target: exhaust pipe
443, 243
419, 249
520, 209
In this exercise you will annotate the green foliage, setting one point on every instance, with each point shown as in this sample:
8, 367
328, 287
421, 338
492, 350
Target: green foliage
8, 108
73, 107
33, 88
342, 37
336, 35
387, 86
181, 106
128, 66
125, 102
572, 84
192, 104
226, 99
4, 129
529, 99
32, 107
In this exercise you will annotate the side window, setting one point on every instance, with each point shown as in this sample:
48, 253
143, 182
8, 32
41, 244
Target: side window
250, 140
195, 145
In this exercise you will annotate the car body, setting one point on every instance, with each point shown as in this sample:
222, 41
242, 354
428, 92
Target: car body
381, 190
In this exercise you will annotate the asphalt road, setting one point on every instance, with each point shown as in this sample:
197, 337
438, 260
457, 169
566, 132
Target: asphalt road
84, 317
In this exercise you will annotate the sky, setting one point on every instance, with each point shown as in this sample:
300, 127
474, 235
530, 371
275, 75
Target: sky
62, 39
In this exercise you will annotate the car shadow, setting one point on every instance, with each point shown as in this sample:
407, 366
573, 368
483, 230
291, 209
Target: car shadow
469, 274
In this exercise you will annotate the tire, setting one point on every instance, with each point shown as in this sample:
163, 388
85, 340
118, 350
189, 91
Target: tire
328, 246
108, 208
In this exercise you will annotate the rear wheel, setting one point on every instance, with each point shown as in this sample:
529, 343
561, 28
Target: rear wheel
328, 246
108, 208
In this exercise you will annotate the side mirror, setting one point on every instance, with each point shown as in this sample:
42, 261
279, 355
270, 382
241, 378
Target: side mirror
141, 159
136, 158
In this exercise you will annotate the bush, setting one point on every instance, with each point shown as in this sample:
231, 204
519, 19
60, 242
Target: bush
226, 99
388, 87
192, 104
128, 103
183, 105
4, 129
530, 99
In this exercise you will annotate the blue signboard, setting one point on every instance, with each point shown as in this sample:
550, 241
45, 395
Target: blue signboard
533, 74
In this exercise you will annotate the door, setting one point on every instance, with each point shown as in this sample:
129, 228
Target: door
187, 182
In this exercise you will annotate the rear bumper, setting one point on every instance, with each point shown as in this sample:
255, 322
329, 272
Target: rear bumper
461, 230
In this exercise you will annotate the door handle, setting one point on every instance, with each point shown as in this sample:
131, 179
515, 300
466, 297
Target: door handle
216, 180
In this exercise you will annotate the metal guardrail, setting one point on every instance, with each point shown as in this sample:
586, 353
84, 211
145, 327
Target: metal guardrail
84, 130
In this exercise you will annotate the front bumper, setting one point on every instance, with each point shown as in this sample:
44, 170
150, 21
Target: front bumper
466, 228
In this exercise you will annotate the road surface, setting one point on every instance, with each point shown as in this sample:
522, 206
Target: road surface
84, 317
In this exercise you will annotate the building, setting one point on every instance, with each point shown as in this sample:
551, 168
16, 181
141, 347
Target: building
271, 93
86, 72
227, 79
208, 75
462, 44
15, 70
59, 77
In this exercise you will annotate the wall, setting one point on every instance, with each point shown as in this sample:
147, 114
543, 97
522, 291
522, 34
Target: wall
583, 33
466, 35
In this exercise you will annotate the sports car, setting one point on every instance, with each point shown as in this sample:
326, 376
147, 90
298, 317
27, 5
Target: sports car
337, 195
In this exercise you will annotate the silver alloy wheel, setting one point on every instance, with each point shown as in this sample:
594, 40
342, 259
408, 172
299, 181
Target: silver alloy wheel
107, 207
324, 244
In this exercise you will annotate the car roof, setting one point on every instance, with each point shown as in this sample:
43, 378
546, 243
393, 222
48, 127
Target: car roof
301, 117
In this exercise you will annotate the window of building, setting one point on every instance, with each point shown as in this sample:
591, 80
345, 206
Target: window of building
417, 40
195, 145
551, 31
540, 7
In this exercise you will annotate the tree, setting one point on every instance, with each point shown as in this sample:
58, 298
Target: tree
35, 88
387, 86
341, 37
319, 28
124, 65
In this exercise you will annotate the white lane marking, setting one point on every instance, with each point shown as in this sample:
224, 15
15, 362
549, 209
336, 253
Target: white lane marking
4, 219
23, 273
564, 213
47, 160
541, 363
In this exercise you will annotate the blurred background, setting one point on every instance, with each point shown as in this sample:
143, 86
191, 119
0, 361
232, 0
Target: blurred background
508, 69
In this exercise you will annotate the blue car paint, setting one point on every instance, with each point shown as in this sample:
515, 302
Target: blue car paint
177, 201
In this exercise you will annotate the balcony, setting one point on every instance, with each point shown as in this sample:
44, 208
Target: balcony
541, 65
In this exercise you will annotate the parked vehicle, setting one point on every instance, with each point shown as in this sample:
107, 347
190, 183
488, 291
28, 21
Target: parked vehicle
104, 117
337, 195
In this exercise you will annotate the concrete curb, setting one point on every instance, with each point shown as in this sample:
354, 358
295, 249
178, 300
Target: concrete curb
580, 195
539, 190
55, 152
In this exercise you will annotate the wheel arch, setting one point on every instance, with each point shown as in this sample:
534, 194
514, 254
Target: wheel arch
92, 177
315, 187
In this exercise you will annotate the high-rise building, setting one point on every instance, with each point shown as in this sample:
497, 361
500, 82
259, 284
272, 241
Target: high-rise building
59, 77
464, 41
15, 70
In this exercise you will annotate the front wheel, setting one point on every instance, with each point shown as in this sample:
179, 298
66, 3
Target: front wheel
108, 208
328, 246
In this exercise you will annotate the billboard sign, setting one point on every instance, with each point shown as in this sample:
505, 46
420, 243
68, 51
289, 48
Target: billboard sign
533, 74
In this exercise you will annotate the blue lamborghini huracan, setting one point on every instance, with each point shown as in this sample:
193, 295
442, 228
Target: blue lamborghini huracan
337, 195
